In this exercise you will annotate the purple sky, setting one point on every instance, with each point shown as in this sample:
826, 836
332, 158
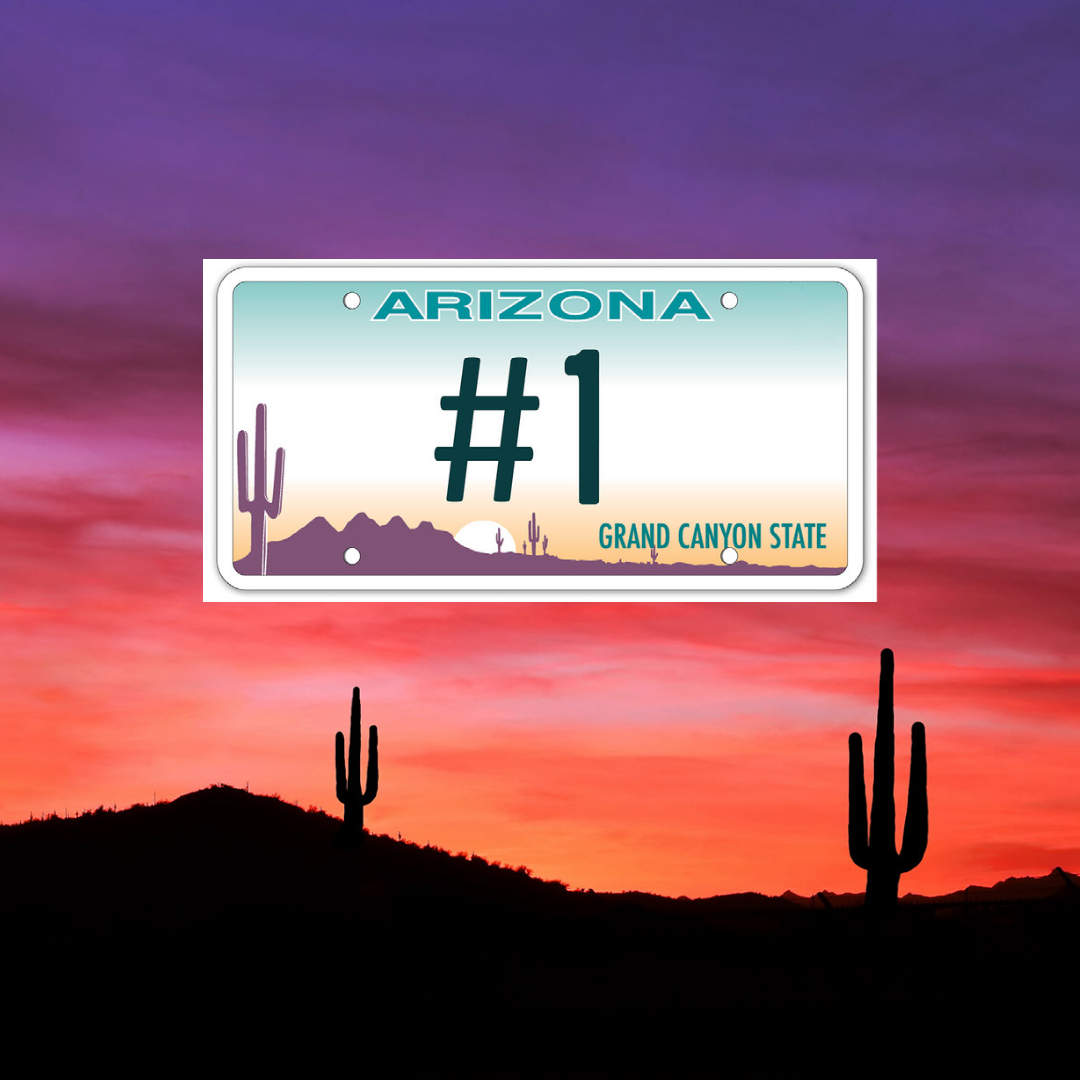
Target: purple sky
141, 138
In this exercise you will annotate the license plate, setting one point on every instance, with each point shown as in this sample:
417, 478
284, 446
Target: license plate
543, 427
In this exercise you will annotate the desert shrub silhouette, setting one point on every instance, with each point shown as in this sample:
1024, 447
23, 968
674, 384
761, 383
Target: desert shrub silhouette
878, 856
349, 792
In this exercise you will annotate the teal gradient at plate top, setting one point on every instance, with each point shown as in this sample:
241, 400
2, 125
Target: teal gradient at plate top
778, 331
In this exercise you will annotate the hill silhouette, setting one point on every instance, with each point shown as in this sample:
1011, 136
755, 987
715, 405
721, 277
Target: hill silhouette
231, 927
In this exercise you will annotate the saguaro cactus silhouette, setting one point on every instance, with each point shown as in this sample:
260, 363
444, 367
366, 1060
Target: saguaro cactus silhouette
878, 856
545, 545
498, 540
534, 533
653, 554
259, 506
349, 792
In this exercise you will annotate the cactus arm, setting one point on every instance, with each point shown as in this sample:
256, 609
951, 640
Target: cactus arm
883, 809
354, 743
857, 845
342, 783
260, 454
372, 788
916, 823
279, 474
241, 470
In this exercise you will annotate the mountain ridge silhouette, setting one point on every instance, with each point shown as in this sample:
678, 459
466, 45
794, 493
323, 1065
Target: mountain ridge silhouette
229, 815
232, 928
398, 548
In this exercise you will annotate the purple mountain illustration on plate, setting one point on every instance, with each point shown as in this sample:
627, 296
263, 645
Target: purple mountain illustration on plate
364, 548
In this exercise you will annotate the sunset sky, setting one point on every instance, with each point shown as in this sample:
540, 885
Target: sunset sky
681, 748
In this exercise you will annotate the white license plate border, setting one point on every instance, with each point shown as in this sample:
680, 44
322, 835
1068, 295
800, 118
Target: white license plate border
857, 276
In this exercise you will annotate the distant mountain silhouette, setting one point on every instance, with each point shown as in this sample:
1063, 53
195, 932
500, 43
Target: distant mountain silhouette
395, 548
233, 929
1059, 884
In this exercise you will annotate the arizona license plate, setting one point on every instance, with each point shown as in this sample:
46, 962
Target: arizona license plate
540, 427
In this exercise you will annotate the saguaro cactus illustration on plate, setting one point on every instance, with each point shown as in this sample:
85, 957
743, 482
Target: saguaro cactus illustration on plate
349, 793
498, 540
259, 506
545, 545
878, 855
653, 554
534, 533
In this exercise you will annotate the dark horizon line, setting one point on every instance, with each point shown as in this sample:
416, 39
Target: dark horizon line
914, 899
